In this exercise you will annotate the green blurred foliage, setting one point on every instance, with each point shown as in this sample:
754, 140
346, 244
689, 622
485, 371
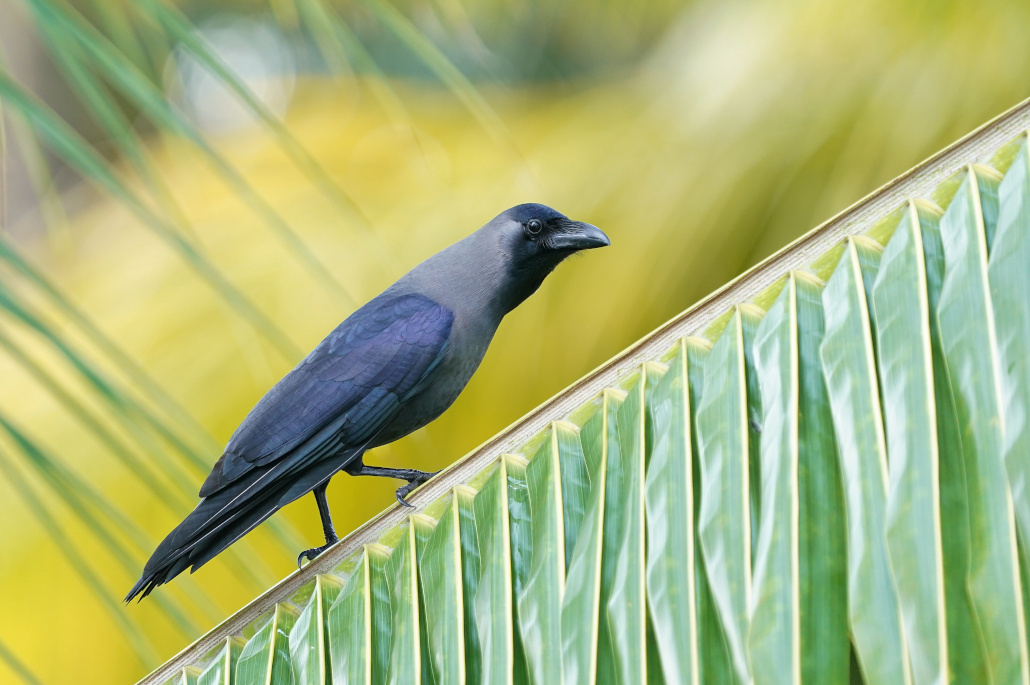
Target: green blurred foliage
700, 136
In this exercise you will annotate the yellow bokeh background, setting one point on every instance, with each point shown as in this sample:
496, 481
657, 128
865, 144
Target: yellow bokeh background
742, 126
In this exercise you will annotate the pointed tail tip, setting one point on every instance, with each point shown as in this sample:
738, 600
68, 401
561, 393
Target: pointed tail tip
143, 587
137, 589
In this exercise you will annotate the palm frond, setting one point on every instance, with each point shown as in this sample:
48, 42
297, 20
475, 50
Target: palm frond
137, 376
669, 150
82, 499
134, 85
442, 67
141, 645
825, 483
59, 137
16, 666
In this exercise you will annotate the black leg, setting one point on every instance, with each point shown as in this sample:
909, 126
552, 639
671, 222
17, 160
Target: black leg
323, 513
327, 526
414, 477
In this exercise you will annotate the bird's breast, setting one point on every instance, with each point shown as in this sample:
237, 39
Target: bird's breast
465, 350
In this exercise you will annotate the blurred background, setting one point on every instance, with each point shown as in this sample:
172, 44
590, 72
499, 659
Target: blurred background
195, 193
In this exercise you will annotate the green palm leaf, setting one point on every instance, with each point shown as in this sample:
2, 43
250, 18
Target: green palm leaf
1008, 285
849, 364
727, 522
826, 482
362, 611
222, 667
62, 140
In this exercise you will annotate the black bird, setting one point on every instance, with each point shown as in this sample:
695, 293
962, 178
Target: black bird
390, 368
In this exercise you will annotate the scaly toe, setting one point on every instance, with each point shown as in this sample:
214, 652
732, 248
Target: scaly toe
406, 489
403, 492
310, 555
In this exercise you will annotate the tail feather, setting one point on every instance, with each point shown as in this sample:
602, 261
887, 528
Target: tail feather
224, 516
208, 530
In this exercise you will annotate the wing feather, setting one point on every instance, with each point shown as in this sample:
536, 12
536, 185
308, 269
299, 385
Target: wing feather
358, 376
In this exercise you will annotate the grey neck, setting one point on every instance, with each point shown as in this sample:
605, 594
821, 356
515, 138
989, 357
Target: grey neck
472, 278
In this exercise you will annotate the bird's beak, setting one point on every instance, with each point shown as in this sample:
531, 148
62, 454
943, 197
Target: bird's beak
579, 236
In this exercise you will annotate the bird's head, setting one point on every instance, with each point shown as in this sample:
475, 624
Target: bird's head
534, 239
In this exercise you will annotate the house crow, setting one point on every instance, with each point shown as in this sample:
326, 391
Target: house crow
390, 368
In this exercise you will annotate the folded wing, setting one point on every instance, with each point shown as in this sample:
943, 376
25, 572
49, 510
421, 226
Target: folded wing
361, 372
319, 416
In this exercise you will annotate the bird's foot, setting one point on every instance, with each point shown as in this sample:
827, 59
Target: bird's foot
418, 480
311, 554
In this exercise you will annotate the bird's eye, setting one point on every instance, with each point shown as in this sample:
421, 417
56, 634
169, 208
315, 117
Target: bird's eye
533, 226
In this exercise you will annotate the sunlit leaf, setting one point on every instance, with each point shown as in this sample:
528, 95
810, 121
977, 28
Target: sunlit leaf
799, 556
927, 481
586, 643
635, 652
669, 500
359, 622
222, 669
540, 601
1009, 283
725, 519
309, 638
968, 340
405, 623
849, 365
448, 571
266, 658
502, 518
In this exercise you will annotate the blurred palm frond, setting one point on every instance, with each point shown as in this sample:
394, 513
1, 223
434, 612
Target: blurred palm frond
158, 273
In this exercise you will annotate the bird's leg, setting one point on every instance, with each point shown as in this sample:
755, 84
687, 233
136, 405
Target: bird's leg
327, 526
414, 477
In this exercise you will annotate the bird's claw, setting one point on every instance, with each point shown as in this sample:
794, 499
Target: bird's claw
406, 489
311, 554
